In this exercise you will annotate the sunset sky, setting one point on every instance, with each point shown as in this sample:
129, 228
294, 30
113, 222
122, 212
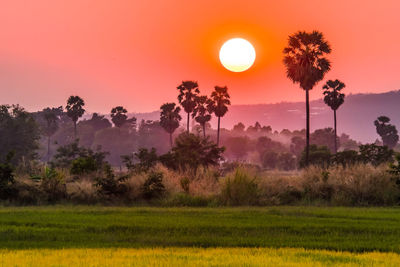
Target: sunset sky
135, 53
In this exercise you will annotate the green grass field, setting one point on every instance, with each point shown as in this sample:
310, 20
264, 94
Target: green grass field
326, 235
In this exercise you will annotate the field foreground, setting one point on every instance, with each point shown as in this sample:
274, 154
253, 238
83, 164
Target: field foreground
137, 236
194, 257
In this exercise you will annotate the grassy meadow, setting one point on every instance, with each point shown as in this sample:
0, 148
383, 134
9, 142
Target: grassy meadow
138, 236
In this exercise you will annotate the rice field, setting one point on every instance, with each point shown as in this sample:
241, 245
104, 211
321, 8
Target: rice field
247, 236
194, 257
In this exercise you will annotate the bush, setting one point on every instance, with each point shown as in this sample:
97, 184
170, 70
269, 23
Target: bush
318, 155
270, 159
146, 160
153, 186
286, 161
7, 178
108, 185
358, 185
79, 160
375, 155
83, 165
82, 191
240, 188
315, 184
52, 184
346, 158
191, 152
394, 169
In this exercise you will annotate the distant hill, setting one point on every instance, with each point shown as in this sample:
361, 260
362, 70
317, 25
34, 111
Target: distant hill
355, 116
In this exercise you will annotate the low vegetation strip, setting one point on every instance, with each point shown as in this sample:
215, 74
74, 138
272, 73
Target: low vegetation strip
194, 257
340, 229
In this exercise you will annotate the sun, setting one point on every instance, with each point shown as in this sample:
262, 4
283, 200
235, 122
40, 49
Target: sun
237, 55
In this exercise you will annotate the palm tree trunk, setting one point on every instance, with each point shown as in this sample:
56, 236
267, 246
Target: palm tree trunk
170, 139
188, 122
307, 127
204, 130
219, 118
75, 129
334, 118
48, 148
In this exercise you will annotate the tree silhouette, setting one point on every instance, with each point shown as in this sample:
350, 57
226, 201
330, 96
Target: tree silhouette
118, 116
98, 122
188, 91
239, 127
306, 65
51, 117
388, 132
334, 98
170, 118
201, 112
219, 104
75, 109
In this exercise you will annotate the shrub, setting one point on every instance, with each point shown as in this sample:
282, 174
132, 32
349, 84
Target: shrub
394, 169
346, 158
318, 155
375, 155
270, 159
286, 161
240, 188
52, 183
153, 186
146, 160
6, 178
82, 191
108, 185
79, 160
316, 185
83, 165
191, 151
360, 184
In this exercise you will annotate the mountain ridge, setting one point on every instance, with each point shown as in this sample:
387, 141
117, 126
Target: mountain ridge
355, 116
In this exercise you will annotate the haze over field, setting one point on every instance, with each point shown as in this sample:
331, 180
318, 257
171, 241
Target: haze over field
356, 116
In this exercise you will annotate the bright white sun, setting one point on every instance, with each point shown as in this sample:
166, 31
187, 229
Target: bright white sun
237, 55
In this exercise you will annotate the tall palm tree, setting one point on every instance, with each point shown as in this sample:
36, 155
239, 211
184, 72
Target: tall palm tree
219, 104
334, 98
305, 62
51, 117
170, 118
188, 91
75, 109
201, 112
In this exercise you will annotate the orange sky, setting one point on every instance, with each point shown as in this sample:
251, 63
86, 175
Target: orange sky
135, 53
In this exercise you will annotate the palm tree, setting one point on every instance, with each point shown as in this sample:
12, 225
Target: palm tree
306, 65
188, 91
118, 116
334, 98
387, 131
170, 118
202, 113
219, 104
51, 117
75, 109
